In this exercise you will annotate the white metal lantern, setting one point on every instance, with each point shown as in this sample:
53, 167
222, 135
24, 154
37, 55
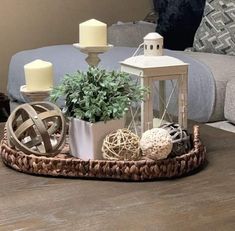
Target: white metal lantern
152, 67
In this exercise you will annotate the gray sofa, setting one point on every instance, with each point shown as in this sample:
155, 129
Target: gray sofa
222, 68
129, 36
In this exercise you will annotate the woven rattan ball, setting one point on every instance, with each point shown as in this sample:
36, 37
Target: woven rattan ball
156, 144
121, 145
180, 139
37, 128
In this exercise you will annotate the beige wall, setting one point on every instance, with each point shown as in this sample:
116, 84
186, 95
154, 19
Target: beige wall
26, 24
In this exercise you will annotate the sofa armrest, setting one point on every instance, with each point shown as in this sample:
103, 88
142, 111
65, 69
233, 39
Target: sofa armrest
229, 106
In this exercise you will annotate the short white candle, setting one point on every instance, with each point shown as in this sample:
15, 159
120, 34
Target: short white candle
92, 33
38, 75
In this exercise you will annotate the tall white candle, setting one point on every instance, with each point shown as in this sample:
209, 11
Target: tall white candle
93, 33
38, 75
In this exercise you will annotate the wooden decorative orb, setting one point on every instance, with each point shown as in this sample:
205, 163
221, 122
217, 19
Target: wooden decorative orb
121, 145
37, 128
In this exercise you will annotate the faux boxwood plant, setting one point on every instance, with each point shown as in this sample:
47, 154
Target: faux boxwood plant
97, 94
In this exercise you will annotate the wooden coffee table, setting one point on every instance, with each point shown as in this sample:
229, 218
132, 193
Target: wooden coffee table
203, 201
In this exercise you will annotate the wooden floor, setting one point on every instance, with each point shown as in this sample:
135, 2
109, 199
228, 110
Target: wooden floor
203, 201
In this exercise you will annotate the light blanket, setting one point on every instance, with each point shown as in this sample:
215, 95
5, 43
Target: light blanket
67, 59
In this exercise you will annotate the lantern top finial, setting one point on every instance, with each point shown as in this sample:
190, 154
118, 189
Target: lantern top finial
153, 35
153, 44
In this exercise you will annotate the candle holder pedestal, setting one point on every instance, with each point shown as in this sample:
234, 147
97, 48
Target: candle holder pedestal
92, 52
32, 96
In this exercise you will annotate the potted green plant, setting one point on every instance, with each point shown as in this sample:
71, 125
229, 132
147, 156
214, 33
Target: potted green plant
95, 101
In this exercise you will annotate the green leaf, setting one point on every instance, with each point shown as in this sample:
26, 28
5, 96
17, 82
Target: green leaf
98, 94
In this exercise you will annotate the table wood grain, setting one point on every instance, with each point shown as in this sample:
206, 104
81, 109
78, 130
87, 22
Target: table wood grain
203, 201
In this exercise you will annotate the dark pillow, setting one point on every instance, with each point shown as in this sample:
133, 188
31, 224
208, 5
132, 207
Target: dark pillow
178, 21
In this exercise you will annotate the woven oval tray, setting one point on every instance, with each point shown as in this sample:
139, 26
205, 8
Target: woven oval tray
66, 166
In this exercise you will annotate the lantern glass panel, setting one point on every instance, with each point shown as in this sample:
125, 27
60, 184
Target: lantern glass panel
165, 102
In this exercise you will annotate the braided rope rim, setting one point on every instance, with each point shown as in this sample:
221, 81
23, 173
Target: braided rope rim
64, 165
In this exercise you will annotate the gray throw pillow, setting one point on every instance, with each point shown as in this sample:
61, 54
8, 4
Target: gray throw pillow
216, 33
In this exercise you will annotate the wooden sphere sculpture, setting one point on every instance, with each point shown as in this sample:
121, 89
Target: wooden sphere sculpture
156, 144
121, 145
37, 128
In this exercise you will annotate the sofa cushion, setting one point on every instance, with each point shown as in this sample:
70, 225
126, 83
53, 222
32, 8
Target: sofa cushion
216, 32
178, 21
223, 70
229, 106
129, 34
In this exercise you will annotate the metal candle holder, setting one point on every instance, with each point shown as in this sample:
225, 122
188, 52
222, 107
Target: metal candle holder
92, 52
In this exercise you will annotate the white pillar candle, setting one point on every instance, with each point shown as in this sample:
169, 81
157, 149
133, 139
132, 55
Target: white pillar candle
38, 75
93, 33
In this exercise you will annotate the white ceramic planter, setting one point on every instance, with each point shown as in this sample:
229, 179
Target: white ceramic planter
86, 139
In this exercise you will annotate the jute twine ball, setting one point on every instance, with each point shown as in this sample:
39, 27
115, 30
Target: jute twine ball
37, 128
180, 139
121, 145
156, 144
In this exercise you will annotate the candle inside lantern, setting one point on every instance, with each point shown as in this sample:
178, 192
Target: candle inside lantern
38, 75
92, 33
